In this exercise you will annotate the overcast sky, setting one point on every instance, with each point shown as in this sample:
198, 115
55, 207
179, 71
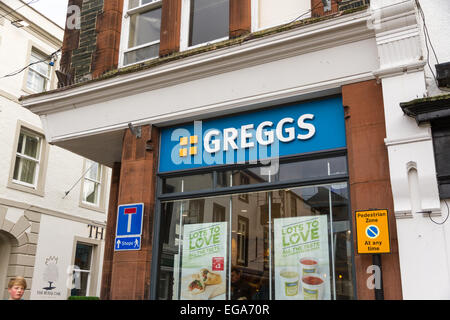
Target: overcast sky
54, 9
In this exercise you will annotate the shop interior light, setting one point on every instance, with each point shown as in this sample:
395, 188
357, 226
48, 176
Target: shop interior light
20, 23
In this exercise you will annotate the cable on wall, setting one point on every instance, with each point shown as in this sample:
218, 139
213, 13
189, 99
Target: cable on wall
448, 213
50, 57
427, 40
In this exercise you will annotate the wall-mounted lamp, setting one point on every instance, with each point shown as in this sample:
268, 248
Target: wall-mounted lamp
20, 23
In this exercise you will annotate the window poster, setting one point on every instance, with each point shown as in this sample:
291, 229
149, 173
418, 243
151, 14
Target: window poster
302, 268
203, 261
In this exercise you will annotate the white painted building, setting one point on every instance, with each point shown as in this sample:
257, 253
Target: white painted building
384, 43
43, 230
424, 246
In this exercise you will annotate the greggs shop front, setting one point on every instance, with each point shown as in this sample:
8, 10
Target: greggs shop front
256, 206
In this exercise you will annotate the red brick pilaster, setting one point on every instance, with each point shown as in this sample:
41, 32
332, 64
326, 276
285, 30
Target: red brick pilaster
109, 25
369, 178
240, 17
317, 8
130, 270
170, 27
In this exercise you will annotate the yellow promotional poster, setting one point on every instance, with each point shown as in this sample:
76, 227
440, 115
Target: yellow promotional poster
372, 231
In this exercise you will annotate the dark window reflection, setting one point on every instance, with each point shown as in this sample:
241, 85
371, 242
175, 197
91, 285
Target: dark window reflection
310, 169
209, 21
82, 271
188, 183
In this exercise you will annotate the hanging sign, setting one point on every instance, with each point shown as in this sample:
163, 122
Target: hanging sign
302, 267
372, 232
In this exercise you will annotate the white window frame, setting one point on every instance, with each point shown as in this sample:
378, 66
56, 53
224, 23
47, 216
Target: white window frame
37, 187
185, 26
254, 15
93, 279
21, 155
32, 69
242, 239
155, 4
100, 204
96, 182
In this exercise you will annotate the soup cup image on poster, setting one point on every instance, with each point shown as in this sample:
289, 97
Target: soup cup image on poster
309, 265
312, 287
301, 247
289, 282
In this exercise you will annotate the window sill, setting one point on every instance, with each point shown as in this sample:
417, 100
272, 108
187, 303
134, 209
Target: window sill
204, 44
92, 207
23, 188
137, 63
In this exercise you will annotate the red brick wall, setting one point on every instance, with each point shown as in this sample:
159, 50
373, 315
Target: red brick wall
109, 25
240, 17
370, 185
70, 43
170, 27
129, 272
318, 8
93, 49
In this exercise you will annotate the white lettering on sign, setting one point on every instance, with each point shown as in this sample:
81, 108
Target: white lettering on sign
268, 134
214, 145
306, 126
263, 135
229, 139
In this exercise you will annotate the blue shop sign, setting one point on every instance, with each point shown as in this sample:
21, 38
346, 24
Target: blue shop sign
257, 136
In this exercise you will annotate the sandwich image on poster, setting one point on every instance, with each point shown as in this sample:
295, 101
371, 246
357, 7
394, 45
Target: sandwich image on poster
203, 261
302, 268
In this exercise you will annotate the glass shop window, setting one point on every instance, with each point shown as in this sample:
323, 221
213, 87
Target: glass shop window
284, 244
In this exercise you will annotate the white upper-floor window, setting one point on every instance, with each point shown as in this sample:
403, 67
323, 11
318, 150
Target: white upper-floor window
94, 186
92, 183
204, 21
38, 79
141, 30
28, 158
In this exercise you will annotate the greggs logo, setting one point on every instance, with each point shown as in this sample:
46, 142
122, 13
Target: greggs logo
261, 137
247, 136
188, 145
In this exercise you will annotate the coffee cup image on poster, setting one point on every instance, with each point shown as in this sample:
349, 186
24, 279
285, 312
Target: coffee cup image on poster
302, 268
203, 262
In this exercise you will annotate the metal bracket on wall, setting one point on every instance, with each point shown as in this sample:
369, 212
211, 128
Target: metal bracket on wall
137, 131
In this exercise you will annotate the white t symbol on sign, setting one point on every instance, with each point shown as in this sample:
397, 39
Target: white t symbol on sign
130, 212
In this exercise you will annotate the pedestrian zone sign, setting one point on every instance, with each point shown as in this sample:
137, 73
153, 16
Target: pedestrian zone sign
129, 227
372, 231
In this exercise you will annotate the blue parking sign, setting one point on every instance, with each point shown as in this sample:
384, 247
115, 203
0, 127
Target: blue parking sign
129, 220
